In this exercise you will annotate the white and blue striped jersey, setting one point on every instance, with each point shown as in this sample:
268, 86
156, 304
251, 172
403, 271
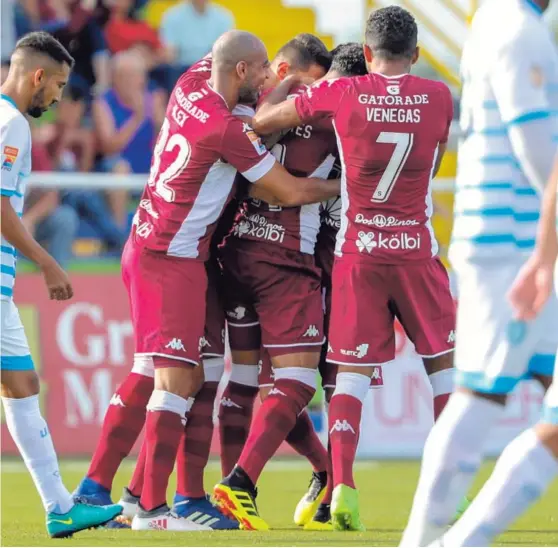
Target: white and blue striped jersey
15, 148
510, 76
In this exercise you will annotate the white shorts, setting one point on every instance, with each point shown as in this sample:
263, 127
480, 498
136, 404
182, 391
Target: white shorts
14, 349
493, 351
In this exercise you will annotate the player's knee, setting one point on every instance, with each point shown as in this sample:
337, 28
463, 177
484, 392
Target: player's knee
20, 384
298, 359
548, 434
184, 380
439, 363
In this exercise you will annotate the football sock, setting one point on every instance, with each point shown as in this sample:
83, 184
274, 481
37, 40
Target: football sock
136, 483
195, 444
345, 411
164, 425
122, 426
452, 455
304, 440
442, 387
292, 391
32, 437
235, 413
522, 474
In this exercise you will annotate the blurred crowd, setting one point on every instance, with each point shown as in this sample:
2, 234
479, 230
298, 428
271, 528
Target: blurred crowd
113, 104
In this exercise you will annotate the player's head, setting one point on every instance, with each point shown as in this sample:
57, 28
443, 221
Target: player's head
39, 69
305, 55
391, 37
242, 57
347, 60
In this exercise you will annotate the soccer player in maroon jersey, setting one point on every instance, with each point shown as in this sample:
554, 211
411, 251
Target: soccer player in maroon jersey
199, 150
392, 130
274, 289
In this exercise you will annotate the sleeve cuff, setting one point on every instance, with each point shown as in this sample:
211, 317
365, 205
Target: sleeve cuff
260, 169
7, 192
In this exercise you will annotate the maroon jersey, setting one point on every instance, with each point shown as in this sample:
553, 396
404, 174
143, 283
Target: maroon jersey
389, 130
199, 149
306, 151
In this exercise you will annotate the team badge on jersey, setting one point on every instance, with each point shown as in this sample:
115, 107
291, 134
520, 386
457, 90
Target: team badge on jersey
254, 139
9, 157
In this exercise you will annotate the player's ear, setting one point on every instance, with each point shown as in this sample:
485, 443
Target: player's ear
368, 55
39, 77
242, 70
283, 70
416, 56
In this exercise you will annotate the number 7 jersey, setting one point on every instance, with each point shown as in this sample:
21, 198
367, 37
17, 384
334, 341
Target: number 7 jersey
389, 130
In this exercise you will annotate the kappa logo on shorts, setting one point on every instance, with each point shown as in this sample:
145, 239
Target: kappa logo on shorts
312, 331
342, 426
117, 400
329, 347
360, 352
451, 337
204, 342
176, 344
276, 391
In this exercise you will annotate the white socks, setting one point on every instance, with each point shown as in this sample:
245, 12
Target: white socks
30, 433
523, 472
244, 374
452, 455
352, 384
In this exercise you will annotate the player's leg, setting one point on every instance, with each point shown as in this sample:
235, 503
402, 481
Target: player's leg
190, 500
522, 474
20, 398
305, 441
492, 353
168, 318
361, 339
294, 345
237, 400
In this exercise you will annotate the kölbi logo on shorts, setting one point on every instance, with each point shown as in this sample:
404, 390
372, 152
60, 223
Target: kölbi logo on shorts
367, 241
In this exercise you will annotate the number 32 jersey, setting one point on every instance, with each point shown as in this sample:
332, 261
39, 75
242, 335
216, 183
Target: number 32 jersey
388, 130
199, 149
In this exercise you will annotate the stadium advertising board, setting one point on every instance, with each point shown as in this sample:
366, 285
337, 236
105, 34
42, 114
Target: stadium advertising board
83, 348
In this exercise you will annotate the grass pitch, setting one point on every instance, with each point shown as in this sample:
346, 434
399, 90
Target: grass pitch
386, 491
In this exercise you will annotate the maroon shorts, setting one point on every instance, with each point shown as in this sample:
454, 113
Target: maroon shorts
368, 297
167, 300
277, 287
214, 340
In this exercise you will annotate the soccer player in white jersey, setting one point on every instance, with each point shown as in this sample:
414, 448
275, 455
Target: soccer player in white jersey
39, 70
510, 96
530, 462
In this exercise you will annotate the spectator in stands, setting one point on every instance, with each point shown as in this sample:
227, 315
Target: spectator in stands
73, 23
191, 27
127, 119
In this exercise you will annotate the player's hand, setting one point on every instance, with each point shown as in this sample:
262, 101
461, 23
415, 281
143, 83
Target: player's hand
57, 282
532, 288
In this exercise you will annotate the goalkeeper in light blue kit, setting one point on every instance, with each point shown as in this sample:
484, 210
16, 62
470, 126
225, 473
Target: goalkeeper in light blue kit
509, 109
39, 70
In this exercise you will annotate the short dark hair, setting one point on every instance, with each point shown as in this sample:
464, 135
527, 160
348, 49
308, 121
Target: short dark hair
306, 49
348, 59
45, 43
392, 33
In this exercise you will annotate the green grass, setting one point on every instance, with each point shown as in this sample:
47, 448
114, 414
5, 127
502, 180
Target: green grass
386, 491
78, 266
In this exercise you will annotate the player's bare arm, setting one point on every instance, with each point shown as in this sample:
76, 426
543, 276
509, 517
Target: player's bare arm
276, 118
441, 151
14, 231
282, 188
534, 283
